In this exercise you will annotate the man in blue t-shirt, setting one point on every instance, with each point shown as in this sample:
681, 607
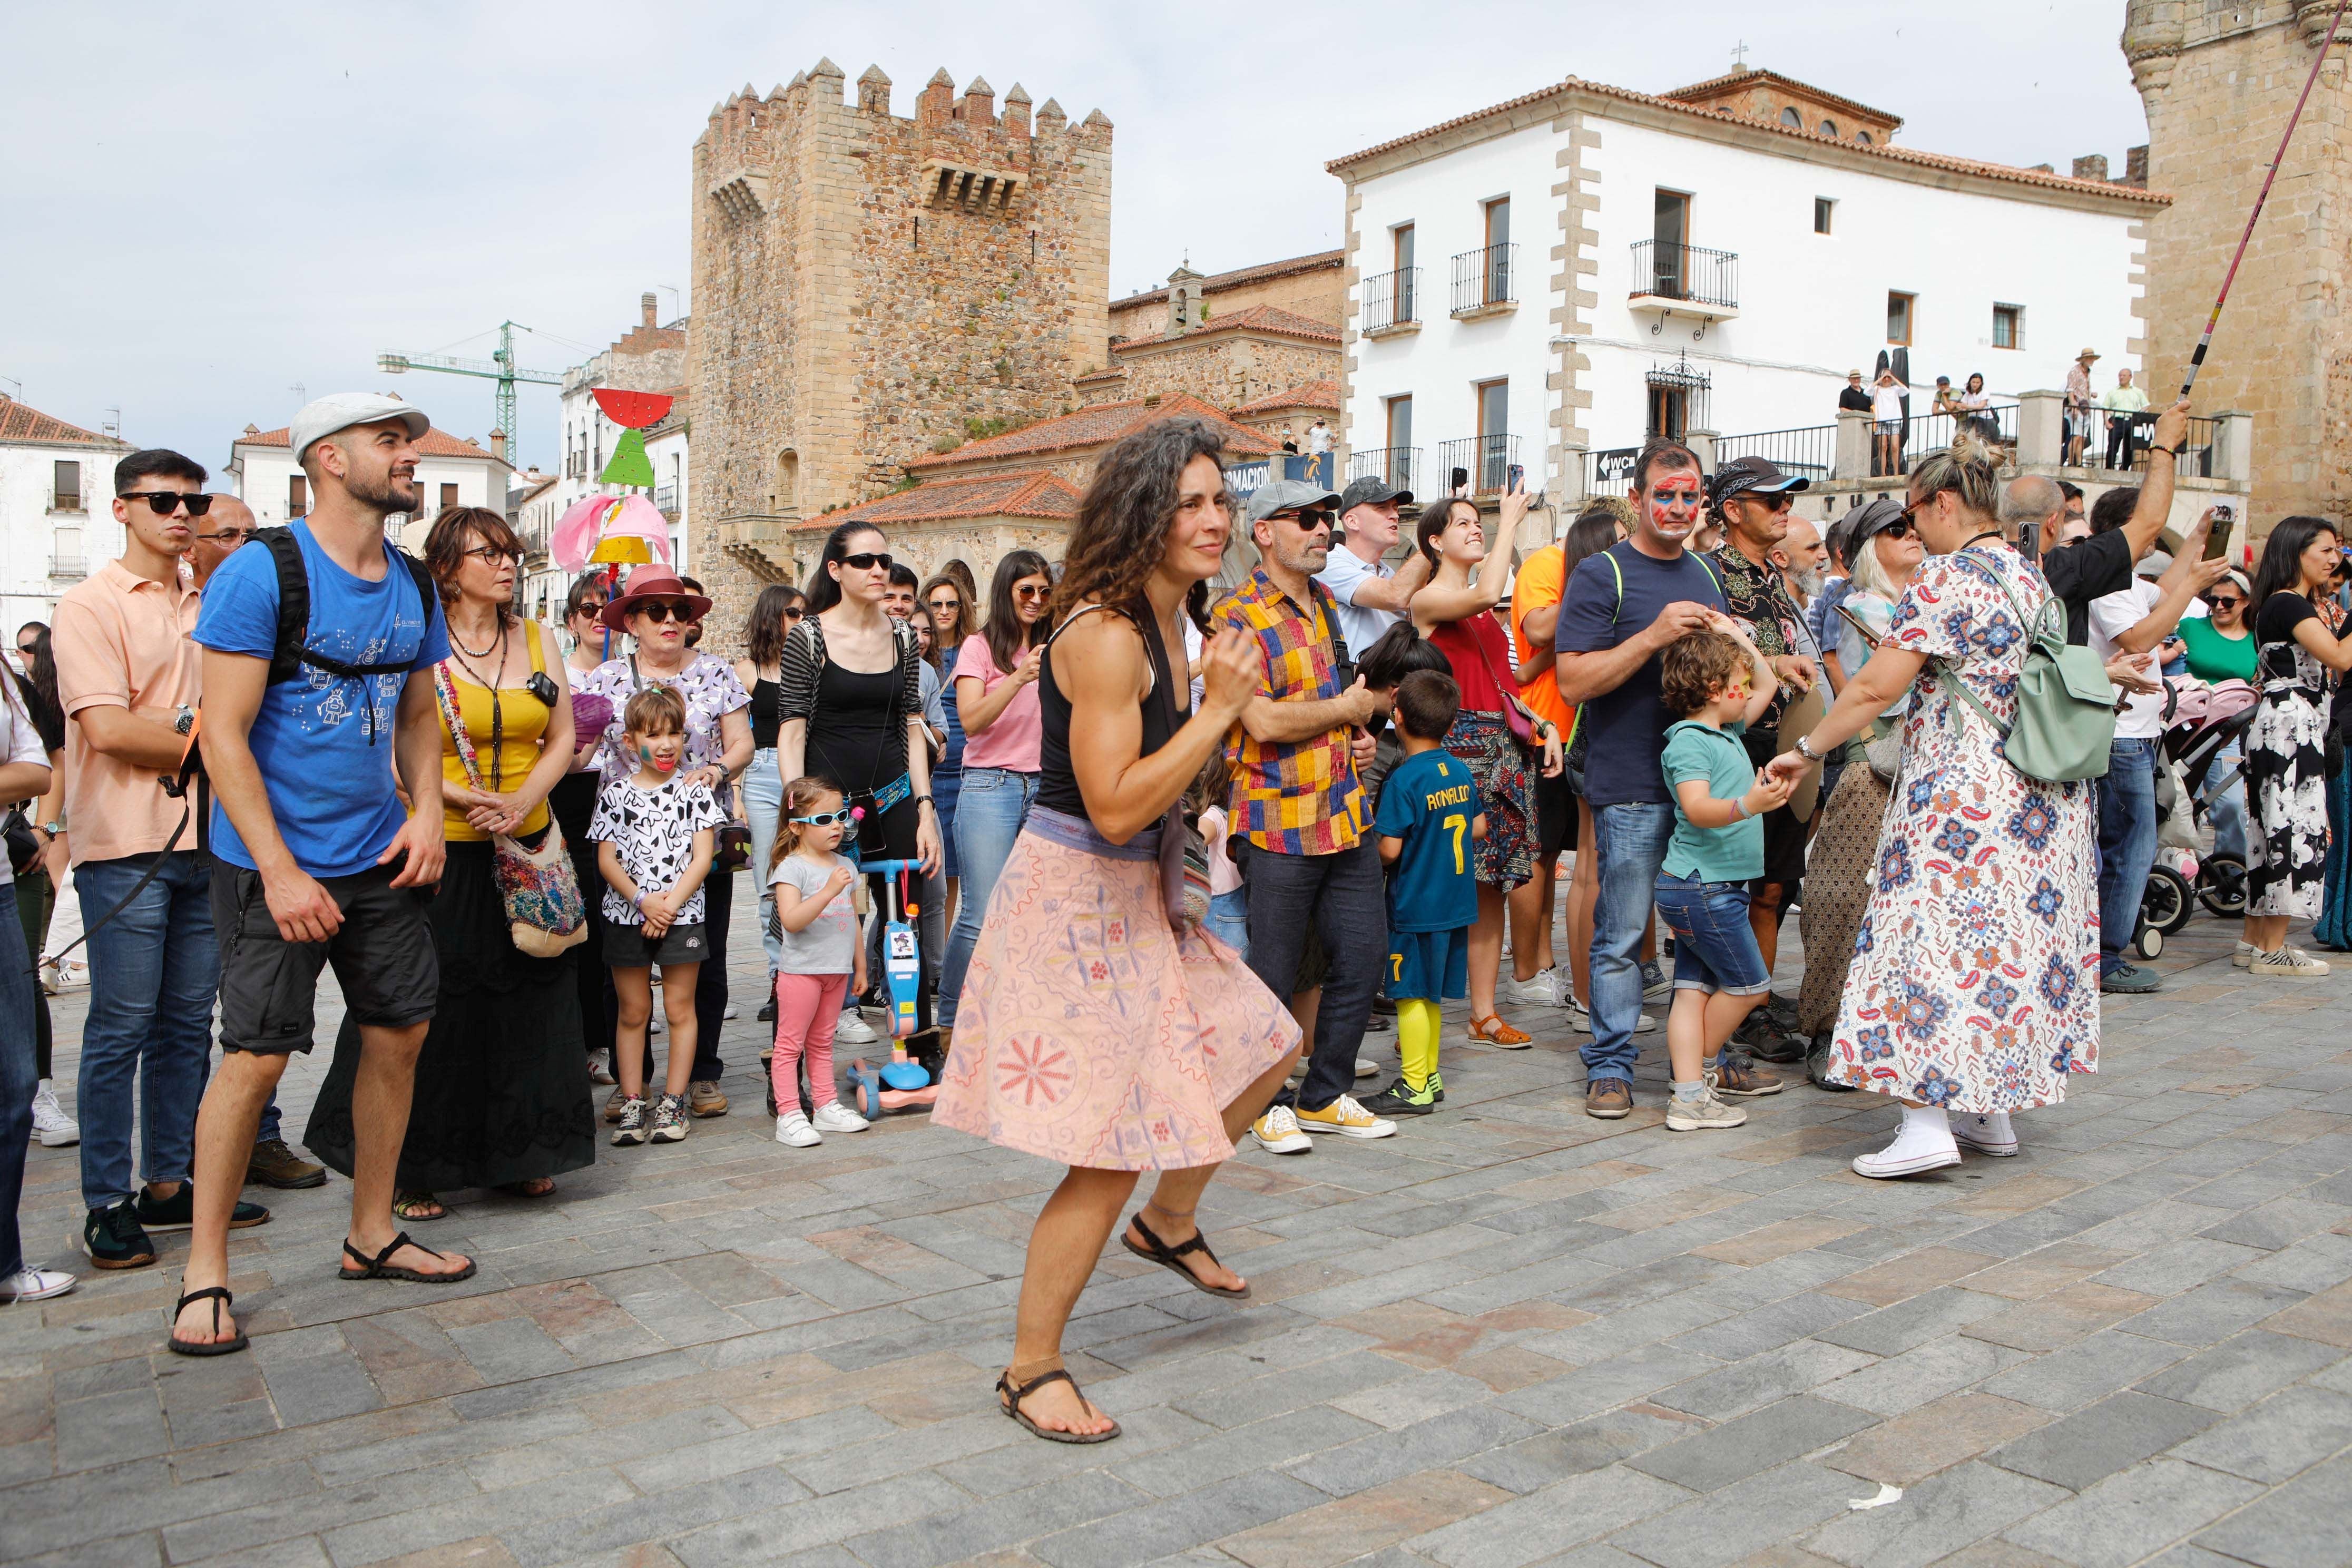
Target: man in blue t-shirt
317, 861
1620, 610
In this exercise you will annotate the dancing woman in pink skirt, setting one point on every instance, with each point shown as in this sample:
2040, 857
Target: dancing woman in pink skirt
1090, 1032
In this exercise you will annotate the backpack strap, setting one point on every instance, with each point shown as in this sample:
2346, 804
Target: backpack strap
1618, 572
293, 602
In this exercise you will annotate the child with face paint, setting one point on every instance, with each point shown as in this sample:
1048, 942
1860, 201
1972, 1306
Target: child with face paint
653, 833
821, 956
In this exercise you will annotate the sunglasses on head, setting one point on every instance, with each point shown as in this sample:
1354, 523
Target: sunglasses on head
867, 559
167, 502
660, 610
825, 819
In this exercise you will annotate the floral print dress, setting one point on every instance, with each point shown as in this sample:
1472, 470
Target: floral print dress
1974, 984
2286, 768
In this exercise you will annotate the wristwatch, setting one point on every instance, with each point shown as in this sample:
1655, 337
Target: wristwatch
185, 721
1806, 751
54, 828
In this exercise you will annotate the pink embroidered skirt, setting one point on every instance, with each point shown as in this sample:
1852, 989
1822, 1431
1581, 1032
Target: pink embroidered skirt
1090, 1034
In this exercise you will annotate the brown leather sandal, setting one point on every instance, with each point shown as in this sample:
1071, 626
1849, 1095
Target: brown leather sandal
1167, 1256
1015, 1392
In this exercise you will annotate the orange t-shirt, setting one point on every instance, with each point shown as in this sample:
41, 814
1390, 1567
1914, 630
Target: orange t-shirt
1538, 584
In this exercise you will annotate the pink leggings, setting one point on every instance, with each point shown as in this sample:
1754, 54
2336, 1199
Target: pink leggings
807, 1008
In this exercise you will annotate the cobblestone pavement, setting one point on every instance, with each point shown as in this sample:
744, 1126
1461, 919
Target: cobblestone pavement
1510, 1335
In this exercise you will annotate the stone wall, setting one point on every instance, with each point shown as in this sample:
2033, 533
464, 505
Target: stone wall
848, 312
1319, 292
1227, 369
2218, 85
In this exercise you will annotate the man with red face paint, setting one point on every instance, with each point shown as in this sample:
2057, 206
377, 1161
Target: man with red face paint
1623, 607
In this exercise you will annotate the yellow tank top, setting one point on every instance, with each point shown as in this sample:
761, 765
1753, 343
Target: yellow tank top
520, 720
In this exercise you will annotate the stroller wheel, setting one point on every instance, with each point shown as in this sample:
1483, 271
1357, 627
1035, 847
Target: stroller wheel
2165, 906
2150, 942
2222, 885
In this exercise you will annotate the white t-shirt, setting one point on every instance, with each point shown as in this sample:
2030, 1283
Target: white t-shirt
19, 743
1319, 438
2111, 614
1342, 574
652, 831
1886, 403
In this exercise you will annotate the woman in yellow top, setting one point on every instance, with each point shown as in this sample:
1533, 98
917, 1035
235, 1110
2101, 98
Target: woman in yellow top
501, 1097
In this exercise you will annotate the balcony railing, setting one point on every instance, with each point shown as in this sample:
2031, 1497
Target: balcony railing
66, 500
68, 564
1396, 466
1666, 271
1484, 279
665, 501
1995, 426
2103, 448
1484, 463
1809, 453
1392, 300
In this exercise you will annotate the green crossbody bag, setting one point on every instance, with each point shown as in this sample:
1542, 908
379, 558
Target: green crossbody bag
2065, 719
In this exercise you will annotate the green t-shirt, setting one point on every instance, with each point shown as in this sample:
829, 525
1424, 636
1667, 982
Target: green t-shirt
2213, 656
1733, 854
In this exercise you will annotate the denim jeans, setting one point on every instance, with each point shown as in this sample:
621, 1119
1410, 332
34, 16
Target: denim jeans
990, 810
1715, 946
1631, 841
1228, 920
1343, 896
2225, 807
154, 971
17, 1079
763, 801
2127, 844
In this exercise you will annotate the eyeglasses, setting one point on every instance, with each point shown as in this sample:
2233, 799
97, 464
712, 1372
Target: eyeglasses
947, 606
1310, 518
824, 818
238, 534
660, 610
867, 559
2223, 601
167, 502
1022, 591
794, 614
491, 554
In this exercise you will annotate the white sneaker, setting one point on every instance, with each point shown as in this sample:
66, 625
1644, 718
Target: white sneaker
1346, 1118
1987, 1133
838, 1118
1645, 1024
655, 1026
2242, 956
31, 1284
1706, 1113
1921, 1145
2287, 963
792, 1128
1541, 988
1277, 1132
853, 1028
51, 1125
72, 974
1579, 1017
1366, 1068
729, 1016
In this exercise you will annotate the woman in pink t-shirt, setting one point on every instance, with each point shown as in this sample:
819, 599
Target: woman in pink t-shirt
996, 696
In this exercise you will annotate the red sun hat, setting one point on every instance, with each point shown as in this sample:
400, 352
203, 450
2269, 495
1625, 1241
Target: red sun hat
651, 581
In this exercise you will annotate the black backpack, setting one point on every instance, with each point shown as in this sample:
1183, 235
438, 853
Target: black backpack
293, 649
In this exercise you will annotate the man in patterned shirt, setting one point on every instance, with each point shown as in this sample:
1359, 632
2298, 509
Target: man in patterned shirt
1753, 498
1296, 803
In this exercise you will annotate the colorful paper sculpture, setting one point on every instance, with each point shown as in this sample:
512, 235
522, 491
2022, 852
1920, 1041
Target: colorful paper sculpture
633, 411
609, 529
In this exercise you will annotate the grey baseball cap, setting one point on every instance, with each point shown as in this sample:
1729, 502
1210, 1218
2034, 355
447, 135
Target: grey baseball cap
1370, 491
1285, 495
322, 416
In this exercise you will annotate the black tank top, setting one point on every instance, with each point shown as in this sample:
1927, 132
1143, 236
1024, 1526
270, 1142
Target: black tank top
1057, 785
764, 695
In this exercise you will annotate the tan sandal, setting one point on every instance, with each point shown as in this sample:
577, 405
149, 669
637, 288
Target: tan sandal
1491, 1030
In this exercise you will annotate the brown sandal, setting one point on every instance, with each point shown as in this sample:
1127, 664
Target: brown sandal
1015, 1392
1167, 1256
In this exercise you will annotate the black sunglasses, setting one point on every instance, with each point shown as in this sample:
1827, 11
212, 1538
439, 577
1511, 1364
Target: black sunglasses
167, 502
660, 610
591, 609
1901, 528
1310, 518
794, 614
867, 559
2220, 603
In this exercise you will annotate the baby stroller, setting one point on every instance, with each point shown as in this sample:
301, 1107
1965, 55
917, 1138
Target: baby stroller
2199, 722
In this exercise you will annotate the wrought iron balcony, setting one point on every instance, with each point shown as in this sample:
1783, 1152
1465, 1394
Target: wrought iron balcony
1484, 463
1392, 301
68, 564
1685, 278
665, 501
1485, 280
1396, 466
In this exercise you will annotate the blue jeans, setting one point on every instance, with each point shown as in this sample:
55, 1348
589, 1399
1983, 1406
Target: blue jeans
1715, 947
154, 970
763, 801
2225, 808
1228, 921
990, 810
2127, 844
1631, 841
16, 1075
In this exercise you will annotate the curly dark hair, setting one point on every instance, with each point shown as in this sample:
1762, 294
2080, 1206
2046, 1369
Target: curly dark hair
1121, 533
1696, 667
459, 530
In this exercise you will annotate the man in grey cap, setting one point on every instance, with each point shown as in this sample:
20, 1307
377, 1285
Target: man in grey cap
317, 861
1299, 816
1371, 596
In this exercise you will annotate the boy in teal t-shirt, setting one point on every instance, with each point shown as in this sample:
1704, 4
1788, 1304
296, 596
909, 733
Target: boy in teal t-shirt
1428, 818
1714, 678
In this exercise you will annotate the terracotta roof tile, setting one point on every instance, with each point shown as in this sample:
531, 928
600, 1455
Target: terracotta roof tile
1025, 492
1095, 426
1257, 319
33, 427
437, 443
1218, 282
1885, 150
1753, 75
1306, 394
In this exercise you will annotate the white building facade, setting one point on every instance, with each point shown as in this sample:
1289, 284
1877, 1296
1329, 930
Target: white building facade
452, 472
1546, 282
57, 510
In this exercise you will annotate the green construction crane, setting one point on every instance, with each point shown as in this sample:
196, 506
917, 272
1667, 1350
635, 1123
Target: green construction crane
499, 367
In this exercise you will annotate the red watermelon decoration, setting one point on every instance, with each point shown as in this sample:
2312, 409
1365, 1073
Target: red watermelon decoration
633, 410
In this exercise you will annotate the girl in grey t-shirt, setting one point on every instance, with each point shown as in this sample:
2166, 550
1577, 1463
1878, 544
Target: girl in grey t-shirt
821, 960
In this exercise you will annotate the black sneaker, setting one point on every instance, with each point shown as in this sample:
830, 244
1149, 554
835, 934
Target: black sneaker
1760, 1038
178, 1211
113, 1238
767, 1013
1436, 1086
1817, 1064
1781, 1011
1400, 1099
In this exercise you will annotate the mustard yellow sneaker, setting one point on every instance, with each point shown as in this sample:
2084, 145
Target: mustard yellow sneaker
1346, 1118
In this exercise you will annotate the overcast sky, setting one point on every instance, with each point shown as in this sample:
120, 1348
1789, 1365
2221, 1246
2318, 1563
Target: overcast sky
208, 206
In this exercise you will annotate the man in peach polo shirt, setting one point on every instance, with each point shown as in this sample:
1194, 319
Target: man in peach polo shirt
127, 678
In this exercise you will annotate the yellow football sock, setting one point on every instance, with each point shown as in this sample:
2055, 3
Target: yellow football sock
1417, 1029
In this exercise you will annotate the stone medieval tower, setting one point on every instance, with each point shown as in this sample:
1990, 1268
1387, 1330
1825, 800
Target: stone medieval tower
865, 285
2219, 82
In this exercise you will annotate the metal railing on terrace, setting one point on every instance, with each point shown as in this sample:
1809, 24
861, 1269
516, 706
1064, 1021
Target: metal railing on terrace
68, 564
1673, 272
1808, 452
1391, 299
2105, 448
1485, 277
666, 501
1396, 466
1485, 463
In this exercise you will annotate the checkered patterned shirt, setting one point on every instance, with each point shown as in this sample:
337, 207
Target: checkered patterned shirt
1294, 797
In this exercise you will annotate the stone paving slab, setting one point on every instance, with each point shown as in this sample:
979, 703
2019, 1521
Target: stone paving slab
1510, 1335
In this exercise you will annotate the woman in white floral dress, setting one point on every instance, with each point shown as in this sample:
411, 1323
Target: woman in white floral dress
1973, 991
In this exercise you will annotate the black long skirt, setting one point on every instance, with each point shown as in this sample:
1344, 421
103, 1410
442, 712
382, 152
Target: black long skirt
502, 1091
